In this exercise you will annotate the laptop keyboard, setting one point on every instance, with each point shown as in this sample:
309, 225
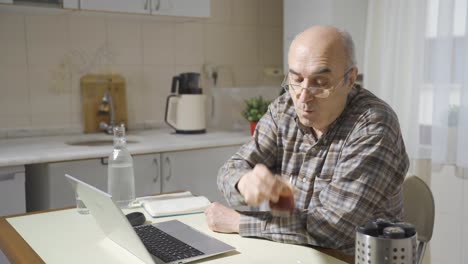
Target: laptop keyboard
164, 246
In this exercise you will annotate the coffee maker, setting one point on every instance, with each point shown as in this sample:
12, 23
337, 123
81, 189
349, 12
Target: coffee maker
185, 107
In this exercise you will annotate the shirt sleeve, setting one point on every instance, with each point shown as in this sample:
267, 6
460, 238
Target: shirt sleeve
370, 170
261, 149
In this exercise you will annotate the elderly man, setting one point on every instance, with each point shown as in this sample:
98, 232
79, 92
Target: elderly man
327, 147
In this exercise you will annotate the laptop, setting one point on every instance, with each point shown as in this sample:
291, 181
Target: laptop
164, 242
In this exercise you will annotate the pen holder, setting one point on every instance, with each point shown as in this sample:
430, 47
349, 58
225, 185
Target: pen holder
379, 250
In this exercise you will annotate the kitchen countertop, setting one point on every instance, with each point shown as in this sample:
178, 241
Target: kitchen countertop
30, 150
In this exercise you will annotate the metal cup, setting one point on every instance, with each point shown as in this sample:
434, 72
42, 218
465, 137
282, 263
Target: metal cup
380, 250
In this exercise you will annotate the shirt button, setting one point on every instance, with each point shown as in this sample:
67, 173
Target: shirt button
304, 179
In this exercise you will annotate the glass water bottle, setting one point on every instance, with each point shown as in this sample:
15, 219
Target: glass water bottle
120, 177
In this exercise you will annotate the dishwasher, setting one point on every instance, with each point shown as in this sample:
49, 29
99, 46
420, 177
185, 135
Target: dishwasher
12, 190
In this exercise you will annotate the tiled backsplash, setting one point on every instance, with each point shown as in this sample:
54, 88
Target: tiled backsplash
231, 99
43, 56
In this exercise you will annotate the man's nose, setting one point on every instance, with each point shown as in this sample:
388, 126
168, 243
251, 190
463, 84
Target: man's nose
305, 95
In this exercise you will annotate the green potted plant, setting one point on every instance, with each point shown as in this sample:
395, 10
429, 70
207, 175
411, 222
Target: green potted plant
254, 109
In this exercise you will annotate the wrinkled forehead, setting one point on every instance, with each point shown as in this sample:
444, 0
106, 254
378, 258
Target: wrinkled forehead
308, 57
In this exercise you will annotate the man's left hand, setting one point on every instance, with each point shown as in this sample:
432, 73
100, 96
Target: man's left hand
222, 219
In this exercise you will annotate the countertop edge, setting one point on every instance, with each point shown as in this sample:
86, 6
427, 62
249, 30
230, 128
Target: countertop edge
54, 149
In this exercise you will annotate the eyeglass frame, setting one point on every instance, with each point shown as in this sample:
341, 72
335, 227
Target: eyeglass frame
286, 83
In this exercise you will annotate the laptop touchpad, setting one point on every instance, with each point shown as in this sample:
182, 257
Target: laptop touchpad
193, 237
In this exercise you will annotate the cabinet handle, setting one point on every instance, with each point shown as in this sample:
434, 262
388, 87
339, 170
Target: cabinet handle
168, 162
156, 175
212, 107
7, 177
105, 161
157, 5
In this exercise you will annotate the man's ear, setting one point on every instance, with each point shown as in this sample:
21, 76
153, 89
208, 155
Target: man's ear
352, 76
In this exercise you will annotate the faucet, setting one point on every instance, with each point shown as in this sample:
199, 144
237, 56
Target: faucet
107, 108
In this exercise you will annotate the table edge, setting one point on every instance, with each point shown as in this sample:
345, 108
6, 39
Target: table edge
27, 255
15, 248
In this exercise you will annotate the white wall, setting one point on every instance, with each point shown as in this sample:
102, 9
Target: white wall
345, 14
44, 54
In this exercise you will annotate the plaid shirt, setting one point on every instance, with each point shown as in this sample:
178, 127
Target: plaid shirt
353, 173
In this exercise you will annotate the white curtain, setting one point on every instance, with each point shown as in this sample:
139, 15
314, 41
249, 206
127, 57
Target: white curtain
416, 59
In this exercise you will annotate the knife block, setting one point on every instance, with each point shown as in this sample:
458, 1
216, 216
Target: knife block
93, 88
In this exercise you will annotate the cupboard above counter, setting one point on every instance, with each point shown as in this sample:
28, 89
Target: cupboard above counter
185, 8
177, 8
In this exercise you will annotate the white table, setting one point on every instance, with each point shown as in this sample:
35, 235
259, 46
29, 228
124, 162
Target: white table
64, 236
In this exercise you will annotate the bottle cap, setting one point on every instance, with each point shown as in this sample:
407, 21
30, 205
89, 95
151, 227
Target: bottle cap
382, 223
393, 232
409, 228
370, 228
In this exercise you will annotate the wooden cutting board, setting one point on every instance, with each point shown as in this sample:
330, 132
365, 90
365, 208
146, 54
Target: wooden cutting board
93, 88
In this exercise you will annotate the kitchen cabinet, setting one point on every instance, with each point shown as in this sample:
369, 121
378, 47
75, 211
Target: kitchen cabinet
34, 3
195, 170
191, 170
186, 170
187, 8
12, 190
127, 6
348, 15
147, 171
47, 188
71, 4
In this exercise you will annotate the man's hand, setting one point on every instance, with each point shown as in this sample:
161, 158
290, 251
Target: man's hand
222, 219
261, 185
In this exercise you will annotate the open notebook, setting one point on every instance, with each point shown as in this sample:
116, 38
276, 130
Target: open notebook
173, 204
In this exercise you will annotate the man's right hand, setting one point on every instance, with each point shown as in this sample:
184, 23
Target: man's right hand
261, 185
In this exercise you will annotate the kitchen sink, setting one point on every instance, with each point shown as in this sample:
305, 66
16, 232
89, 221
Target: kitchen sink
99, 141
90, 143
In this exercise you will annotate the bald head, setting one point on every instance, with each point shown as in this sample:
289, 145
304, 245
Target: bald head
321, 57
326, 39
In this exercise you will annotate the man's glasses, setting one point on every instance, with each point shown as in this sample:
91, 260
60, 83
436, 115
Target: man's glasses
320, 91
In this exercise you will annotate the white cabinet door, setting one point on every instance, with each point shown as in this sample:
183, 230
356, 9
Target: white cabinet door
125, 6
71, 4
147, 170
191, 170
12, 194
195, 171
187, 8
47, 188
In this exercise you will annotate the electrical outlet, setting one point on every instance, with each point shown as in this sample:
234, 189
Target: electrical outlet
209, 69
273, 71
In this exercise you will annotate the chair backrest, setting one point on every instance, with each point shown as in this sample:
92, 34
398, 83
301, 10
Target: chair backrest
418, 204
